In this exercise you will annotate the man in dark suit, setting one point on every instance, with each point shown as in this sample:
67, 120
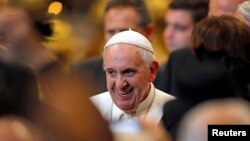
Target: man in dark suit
180, 19
220, 70
166, 77
165, 80
119, 15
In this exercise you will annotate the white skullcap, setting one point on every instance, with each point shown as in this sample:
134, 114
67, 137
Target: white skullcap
130, 37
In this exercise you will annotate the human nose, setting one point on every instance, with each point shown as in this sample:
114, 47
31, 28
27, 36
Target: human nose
121, 82
168, 33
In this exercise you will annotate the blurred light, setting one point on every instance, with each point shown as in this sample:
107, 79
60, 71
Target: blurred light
31, 5
55, 8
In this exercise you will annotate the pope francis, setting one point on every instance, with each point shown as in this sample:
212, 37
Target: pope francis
130, 67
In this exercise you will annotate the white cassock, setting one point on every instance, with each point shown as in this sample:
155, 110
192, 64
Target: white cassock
149, 109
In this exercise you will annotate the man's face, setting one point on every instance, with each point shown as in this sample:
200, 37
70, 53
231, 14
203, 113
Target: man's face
128, 78
119, 19
178, 29
223, 7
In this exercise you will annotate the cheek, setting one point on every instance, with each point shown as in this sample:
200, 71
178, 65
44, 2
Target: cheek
184, 37
140, 92
110, 82
141, 81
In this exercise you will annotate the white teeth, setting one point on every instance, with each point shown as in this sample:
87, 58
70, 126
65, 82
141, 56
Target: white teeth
124, 92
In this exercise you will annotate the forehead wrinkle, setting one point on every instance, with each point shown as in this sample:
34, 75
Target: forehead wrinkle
123, 54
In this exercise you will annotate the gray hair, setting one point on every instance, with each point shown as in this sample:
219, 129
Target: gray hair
244, 9
147, 57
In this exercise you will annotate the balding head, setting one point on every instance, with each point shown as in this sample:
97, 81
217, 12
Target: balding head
223, 7
228, 111
243, 12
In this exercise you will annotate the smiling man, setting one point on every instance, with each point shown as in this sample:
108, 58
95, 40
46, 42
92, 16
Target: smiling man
130, 68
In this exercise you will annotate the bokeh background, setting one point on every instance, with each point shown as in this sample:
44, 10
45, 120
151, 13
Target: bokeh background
78, 25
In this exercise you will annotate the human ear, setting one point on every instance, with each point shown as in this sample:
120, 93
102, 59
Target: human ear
153, 70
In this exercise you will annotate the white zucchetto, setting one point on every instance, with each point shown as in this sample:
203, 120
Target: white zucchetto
130, 37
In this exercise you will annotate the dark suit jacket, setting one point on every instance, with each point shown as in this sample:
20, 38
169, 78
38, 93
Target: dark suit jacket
93, 69
183, 59
166, 77
193, 81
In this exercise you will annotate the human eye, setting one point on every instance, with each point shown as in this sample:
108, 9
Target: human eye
129, 72
180, 27
111, 73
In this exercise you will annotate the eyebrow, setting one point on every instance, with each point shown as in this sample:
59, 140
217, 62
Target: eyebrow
129, 69
105, 69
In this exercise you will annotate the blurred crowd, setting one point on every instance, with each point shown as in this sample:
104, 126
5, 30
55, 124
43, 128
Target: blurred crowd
116, 70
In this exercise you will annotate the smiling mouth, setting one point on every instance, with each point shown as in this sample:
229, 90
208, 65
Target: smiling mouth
124, 92
124, 95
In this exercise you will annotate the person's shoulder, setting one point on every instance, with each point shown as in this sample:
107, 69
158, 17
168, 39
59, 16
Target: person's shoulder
180, 57
103, 103
163, 96
101, 100
160, 99
182, 52
100, 97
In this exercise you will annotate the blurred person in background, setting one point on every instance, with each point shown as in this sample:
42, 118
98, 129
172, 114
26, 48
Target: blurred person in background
194, 126
62, 115
221, 45
166, 78
233, 51
243, 12
181, 17
76, 30
119, 15
223, 7
19, 92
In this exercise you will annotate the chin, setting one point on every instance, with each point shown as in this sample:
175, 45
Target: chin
127, 109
